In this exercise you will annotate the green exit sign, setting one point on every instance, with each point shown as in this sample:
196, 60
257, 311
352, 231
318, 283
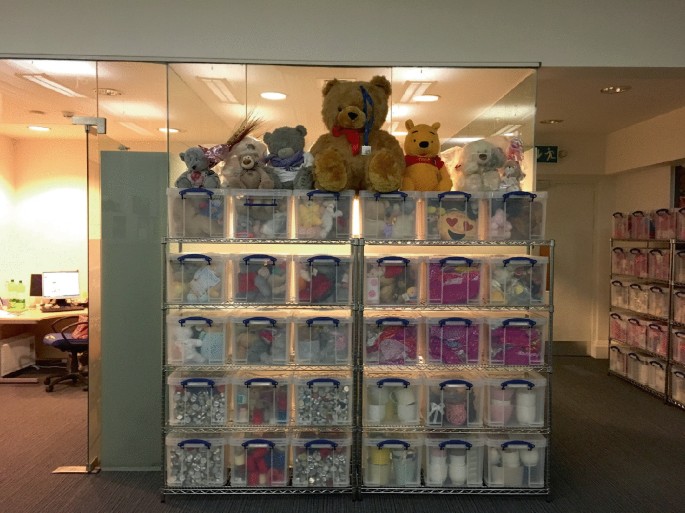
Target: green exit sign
548, 154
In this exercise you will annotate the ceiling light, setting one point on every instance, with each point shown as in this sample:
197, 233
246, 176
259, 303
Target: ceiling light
273, 95
507, 130
399, 133
106, 91
426, 98
73, 68
169, 130
463, 140
413, 90
43, 81
615, 89
551, 121
37, 128
220, 88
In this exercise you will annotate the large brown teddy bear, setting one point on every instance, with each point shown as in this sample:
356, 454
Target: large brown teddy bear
354, 112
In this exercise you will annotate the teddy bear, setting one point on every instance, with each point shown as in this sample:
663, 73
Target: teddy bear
287, 158
198, 171
200, 287
480, 163
188, 345
355, 153
511, 176
425, 170
244, 166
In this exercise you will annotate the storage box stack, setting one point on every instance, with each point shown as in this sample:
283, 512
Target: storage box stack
517, 280
324, 399
617, 327
659, 264
392, 280
391, 340
391, 400
657, 338
641, 225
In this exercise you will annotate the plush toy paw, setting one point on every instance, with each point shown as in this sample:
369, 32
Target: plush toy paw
385, 175
330, 170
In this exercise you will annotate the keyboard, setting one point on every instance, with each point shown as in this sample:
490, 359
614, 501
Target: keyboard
70, 308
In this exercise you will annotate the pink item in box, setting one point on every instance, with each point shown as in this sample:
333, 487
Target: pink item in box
619, 261
621, 226
454, 341
659, 264
664, 224
641, 225
636, 332
452, 284
657, 338
639, 263
393, 342
517, 342
617, 327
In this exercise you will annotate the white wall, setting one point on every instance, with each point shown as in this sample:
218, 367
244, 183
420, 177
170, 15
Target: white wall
555, 32
7, 179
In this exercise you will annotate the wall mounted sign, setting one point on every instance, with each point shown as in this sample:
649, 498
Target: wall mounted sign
547, 154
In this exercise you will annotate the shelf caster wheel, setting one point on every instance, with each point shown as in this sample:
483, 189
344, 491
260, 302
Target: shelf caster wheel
49, 388
46, 381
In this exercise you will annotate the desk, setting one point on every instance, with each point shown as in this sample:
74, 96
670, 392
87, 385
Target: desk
38, 323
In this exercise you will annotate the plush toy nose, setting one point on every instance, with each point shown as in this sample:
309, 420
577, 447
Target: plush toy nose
352, 115
424, 144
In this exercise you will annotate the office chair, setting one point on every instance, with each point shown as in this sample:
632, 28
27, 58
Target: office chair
68, 336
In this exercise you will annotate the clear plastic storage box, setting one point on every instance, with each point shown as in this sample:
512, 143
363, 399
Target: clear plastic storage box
260, 214
641, 225
324, 399
323, 215
678, 384
618, 359
659, 264
515, 461
518, 280
197, 213
664, 223
638, 262
658, 300
454, 460
678, 345
261, 398
196, 460
680, 223
391, 400
657, 338
260, 278
517, 341
454, 400
636, 332
322, 462
516, 215
454, 340
515, 399
452, 215
620, 228
619, 293
619, 261
388, 215
455, 280
391, 340
638, 297
259, 460
392, 280
679, 306
656, 377
323, 280
679, 265
196, 338
638, 367
195, 278
391, 462
323, 340
261, 340
197, 399
617, 327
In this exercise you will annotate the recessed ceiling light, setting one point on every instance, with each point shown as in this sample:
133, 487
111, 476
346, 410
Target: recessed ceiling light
426, 98
463, 140
169, 130
37, 128
399, 133
273, 95
551, 121
45, 82
106, 91
37, 112
615, 89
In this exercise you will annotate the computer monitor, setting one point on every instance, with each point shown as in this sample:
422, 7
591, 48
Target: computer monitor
60, 286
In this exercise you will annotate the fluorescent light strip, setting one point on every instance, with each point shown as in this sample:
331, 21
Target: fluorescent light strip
507, 129
220, 89
45, 82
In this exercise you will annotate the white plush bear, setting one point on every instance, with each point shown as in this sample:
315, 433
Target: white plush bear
480, 163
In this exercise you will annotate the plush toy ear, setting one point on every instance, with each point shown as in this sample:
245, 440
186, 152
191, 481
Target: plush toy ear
435, 126
329, 85
383, 83
267, 137
409, 124
301, 129
183, 156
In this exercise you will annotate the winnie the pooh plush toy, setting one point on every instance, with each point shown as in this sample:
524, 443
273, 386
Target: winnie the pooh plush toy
355, 153
425, 171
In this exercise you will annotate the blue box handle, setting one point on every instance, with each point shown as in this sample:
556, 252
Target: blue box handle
616, 316
449, 382
657, 364
386, 381
258, 441
618, 250
315, 381
524, 194
446, 260
519, 320
271, 321
183, 321
634, 321
528, 260
662, 211
656, 288
679, 374
462, 320
261, 381
195, 190
260, 256
530, 446
467, 445
249, 202
193, 381
194, 441
379, 195
194, 256
315, 192
638, 213
382, 444
616, 282
656, 252
330, 320
465, 195
617, 214
330, 258
392, 320
390, 259
635, 251
636, 286
615, 348
321, 441
509, 382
